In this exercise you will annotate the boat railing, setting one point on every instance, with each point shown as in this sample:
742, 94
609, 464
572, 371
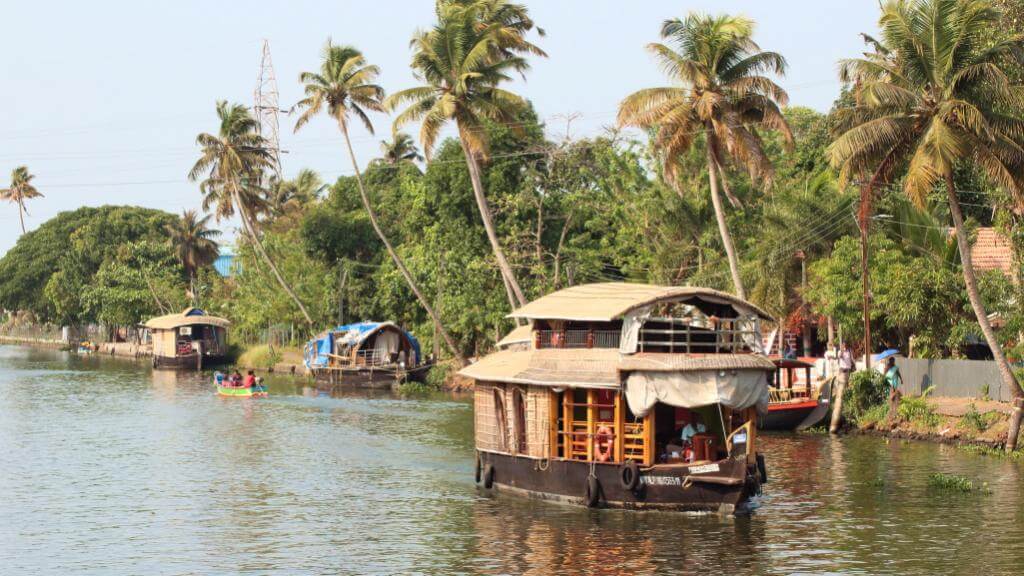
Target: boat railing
578, 338
788, 394
679, 337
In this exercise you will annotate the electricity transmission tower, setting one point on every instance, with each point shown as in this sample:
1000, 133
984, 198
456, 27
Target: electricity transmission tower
266, 107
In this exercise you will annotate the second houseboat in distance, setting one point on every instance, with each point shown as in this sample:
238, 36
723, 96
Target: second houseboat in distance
626, 395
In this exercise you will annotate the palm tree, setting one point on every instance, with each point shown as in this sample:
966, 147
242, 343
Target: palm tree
722, 95
345, 86
400, 148
21, 189
194, 244
932, 96
286, 197
233, 161
475, 46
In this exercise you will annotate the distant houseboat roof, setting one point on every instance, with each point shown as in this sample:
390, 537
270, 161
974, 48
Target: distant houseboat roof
190, 317
609, 301
518, 335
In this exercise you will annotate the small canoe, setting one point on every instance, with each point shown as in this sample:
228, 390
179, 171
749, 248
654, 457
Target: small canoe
241, 392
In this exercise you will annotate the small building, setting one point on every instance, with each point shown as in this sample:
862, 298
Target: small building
625, 395
190, 339
365, 353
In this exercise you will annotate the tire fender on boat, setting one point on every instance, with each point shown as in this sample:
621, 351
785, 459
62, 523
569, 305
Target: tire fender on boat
762, 470
592, 492
488, 479
629, 475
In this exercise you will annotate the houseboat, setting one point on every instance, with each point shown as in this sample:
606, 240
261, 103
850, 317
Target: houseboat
191, 339
626, 396
366, 354
795, 403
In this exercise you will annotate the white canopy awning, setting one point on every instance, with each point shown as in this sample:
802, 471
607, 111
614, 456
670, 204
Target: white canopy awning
736, 389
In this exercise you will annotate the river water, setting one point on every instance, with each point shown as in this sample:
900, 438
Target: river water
109, 468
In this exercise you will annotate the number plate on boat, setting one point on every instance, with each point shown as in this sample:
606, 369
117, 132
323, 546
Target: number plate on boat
661, 480
704, 469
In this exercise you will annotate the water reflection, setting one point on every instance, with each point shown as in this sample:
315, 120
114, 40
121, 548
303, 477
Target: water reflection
109, 467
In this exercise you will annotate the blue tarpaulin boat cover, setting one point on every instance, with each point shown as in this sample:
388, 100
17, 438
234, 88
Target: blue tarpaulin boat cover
317, 350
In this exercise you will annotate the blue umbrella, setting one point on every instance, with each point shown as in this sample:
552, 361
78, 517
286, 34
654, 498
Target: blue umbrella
883, 355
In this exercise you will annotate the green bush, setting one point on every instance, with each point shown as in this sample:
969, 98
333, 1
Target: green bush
976, 420
866, 391
412, 388
916, 409
438, 376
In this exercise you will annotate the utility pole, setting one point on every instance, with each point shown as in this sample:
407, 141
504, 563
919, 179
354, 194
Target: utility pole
265, 108
863, 219
341, 293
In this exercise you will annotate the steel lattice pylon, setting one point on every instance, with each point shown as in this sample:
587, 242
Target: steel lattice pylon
266, 107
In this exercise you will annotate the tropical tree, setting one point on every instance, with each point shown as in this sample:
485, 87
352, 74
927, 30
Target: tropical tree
475, 46
931, 96
344, 87
194, 244
21, 189
286, 197
401, 148
722, 95
234, 161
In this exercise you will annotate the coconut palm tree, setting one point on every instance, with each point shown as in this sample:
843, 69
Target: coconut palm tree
400, 148
233, 161
21, 189
931, 96
343, 87
194, 244
722, 95
285, 197
475, 46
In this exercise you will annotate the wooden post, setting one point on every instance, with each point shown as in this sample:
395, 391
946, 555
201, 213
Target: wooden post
553, 424
620, 429
567, 424
649, 438
591, 400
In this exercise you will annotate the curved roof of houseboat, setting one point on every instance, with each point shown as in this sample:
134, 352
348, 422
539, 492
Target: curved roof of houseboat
597, 367
607, 301
518, 335
189, 317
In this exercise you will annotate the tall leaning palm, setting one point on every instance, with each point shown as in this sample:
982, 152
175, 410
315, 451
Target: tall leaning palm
722, 94
194, 243
475, 46
930, 97
233, 161
21, 189
344, 87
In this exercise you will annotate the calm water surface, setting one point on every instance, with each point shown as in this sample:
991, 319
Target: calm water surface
109, 468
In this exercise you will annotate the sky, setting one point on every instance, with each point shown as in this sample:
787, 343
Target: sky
103, 100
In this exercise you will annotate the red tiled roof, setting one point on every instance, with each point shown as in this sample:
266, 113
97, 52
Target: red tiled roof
992, 251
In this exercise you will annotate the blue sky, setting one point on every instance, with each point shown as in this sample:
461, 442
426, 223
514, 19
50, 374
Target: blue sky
103, 100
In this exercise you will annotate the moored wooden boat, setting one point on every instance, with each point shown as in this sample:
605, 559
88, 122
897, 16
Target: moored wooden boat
190, 340
366, 355
626, 396
794, 403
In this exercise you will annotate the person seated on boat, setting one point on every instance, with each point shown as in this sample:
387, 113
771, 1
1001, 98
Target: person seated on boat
250, 380
235, 379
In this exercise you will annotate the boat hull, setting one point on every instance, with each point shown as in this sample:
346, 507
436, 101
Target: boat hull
240, 392
189, 362
370, 378
725, 486
786, 416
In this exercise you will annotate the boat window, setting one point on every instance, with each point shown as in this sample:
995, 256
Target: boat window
499, 414
519, 409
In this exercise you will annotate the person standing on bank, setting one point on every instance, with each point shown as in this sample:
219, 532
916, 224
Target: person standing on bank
846, 366
894, 380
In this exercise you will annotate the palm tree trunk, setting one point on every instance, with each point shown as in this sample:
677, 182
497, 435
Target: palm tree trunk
398, 260
979, 310
21, 214
733, 200
485, 215
250, 230
723, 228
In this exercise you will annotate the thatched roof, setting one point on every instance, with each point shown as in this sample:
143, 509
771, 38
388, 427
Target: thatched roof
189, 317
611, 300
597, 367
